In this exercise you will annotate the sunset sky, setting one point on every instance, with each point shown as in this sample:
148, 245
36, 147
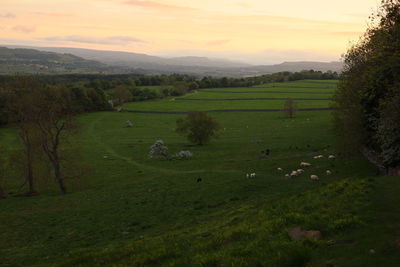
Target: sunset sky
254, 31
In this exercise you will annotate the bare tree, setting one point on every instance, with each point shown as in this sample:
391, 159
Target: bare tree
3, 194
23, 95
290, 108
55, 119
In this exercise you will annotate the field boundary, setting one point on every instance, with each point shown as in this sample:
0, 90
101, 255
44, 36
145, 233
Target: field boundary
251, 98
266, 92
222, 110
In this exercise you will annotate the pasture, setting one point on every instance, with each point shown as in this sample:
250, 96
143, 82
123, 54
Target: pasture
129, 209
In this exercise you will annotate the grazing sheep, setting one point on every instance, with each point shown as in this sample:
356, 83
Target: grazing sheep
331, 157
253, 175
319, 157
287, 175
328, 172
280, 169
294, 174
305, 164
300, 171
247, 175
314, 177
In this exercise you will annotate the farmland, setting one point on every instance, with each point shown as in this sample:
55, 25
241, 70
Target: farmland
129, 209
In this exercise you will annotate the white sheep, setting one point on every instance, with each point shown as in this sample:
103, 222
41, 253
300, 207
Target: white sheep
305, 164
300, 171
331, 157
328, 172
319, 157
314, 177
294, 174
287, 175
253, 175
280, 169
247, 176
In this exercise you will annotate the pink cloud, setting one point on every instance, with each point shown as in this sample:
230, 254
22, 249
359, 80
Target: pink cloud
7, 15
217, 42
24, 29
155, 5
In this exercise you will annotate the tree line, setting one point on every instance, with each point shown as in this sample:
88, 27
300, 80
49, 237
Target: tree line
367, 118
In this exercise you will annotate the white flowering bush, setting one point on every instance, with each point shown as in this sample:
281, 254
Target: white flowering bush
158, 149
183, 155
128, 124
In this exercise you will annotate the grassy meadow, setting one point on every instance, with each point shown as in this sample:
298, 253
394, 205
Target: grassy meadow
130, 210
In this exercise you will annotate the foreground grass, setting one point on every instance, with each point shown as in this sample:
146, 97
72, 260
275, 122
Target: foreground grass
256, 235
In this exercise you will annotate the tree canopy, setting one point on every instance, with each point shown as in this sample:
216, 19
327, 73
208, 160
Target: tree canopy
367, 99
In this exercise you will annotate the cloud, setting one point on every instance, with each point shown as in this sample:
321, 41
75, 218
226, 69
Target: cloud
7, 15
244, 4
51, 14
156, 5
217, 42
112, 40
24, 29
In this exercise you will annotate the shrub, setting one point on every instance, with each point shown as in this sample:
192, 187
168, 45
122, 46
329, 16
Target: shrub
183, 155
158, 149
128, 124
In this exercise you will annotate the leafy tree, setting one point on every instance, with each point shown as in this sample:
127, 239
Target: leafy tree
367, 99
198, 127
290, 108
122, 95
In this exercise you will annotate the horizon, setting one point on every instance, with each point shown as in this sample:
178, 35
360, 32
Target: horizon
290, 31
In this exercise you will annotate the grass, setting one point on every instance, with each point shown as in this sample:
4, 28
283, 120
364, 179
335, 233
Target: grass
132, 210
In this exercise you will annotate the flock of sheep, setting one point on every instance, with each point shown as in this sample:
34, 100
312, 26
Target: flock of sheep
298, 172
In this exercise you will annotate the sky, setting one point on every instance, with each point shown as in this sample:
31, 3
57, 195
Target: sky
252, 31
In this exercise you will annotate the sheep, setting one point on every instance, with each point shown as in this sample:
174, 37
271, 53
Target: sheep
294, 174
319, 157
287, 175
280, 169
305, 164
253, 175
247, 176
328, 172
300, 171
331, 157
314, 177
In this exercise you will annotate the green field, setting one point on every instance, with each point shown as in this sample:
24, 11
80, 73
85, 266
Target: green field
129, 209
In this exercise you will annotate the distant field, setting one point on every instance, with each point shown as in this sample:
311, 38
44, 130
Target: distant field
130, 210
270, 96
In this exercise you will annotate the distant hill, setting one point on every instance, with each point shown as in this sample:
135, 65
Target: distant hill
34, 61
87, 60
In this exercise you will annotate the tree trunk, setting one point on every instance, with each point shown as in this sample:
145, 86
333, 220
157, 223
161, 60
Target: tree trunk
30, 174
59, 179
2, 193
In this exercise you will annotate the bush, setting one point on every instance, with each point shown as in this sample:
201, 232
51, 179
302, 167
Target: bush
158, 149
198, 127
182, 155
128, 124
